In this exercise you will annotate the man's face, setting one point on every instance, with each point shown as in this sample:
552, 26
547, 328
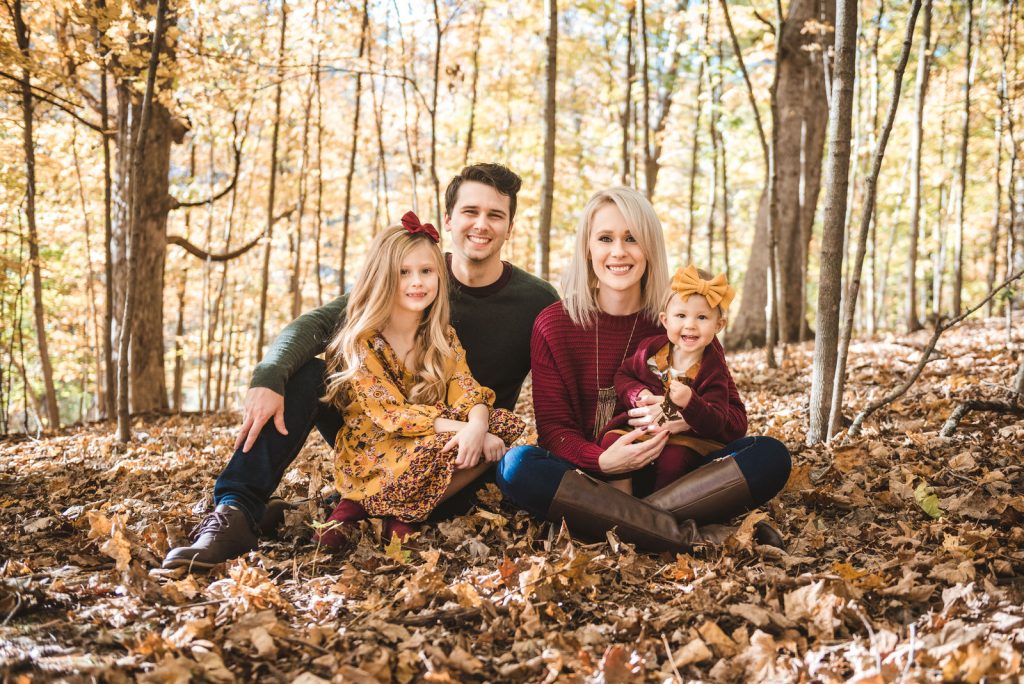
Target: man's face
479, 222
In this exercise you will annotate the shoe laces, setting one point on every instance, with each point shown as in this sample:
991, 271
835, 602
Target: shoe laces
213, 522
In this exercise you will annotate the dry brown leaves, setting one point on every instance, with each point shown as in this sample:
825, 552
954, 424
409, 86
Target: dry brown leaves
904, 561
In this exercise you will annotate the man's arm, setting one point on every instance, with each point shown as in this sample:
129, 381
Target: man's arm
300, 341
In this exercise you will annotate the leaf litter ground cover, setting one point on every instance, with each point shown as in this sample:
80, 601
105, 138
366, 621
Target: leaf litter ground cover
905, 560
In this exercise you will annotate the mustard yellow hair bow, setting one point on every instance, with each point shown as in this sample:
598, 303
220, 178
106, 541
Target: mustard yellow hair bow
687, 281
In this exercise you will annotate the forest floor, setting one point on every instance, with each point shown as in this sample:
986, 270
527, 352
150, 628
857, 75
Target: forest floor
905, 559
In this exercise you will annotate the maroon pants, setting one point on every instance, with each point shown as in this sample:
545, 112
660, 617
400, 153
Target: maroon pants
673, 462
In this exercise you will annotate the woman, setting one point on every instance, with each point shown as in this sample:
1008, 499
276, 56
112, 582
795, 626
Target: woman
612, 294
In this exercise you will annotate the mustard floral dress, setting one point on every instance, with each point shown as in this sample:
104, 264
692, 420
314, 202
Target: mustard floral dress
388, 454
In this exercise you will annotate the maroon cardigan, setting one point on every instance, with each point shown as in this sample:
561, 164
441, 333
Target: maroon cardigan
715, 411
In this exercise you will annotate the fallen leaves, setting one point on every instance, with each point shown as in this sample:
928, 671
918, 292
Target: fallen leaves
873, 587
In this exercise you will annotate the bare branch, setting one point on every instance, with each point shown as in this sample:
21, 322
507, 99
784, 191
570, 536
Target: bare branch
939, 329
207, 256
963, 409
178, 204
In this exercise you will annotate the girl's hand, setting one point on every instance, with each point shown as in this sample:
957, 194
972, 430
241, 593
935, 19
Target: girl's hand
470, 441
494, 448
680, 394
647, 411
626, 454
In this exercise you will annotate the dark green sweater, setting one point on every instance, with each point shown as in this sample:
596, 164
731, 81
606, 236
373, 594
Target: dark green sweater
494, 324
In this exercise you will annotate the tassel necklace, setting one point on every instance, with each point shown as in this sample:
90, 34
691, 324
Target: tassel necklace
606, 398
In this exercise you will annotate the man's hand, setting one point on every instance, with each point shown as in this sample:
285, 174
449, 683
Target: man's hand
260, 404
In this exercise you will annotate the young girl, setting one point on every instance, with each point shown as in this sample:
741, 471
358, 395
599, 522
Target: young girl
416, 423
680, 381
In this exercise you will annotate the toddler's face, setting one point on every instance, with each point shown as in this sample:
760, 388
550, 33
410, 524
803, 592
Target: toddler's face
691, 324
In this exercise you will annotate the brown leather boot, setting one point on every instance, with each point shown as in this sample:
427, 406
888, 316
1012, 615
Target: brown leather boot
713, 493
223, 534
591, 508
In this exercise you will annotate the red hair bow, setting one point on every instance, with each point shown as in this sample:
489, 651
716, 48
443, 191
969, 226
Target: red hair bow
412, 224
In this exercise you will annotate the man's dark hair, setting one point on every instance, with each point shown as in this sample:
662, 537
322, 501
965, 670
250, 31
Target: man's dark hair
498, 176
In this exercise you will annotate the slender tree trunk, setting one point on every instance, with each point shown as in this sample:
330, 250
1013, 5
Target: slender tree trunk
319, 223
958, 243
993, 252
474, 83
28, 145
627, 106
90, 278
691, 204
438, 36
548, 185
138, 155
870, 194
720, 144
381, 176
836, 170
646, 82
109, 392
713, 108
876, 86
346, 216
943, 205
179, 349
296, 283
920, 91
272, 191
666, 90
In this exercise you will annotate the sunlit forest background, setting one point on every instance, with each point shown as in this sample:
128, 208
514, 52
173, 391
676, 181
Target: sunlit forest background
282, 135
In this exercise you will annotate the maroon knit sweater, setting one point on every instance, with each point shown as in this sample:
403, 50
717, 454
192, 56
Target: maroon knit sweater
567, 372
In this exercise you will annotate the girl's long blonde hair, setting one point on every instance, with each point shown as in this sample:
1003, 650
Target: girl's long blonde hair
369, 308
579, 282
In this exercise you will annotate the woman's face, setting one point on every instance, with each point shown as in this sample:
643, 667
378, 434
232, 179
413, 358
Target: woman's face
616, 257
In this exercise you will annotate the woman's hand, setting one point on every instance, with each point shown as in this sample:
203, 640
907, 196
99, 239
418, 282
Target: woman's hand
626, 454
680, 394
675, 427
647, 411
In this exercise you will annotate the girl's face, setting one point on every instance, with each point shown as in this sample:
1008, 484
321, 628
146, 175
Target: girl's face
691, 324
616, 257
418, 280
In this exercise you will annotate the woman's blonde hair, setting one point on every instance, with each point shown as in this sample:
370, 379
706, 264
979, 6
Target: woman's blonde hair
579, 282
369, 308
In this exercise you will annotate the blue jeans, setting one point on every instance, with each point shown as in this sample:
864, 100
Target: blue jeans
249, 479
529, 476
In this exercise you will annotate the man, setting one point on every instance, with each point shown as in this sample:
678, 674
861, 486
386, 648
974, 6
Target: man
493, 307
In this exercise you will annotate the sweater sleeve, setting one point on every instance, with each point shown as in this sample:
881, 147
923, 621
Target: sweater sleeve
557, 429
300, 341
628, 384
715, 411
464, 392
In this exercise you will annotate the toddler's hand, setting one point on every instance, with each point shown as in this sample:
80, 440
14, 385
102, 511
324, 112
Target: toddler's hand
680, 394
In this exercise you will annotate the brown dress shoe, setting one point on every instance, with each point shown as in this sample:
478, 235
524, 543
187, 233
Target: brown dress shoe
223, 534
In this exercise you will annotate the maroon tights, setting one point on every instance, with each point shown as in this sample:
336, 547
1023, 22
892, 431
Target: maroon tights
674, 462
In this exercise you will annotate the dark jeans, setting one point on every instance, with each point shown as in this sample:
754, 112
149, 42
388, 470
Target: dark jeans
249, 479
529, 476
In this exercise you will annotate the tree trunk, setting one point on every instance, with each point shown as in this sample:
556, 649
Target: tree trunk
110, 380
438, 36
665, 97
725, 172
836, 180
876, 86
296, 283
713, 108
645, 81
870, 193
627, 105
548, 185
924, 59
179, 349
474, 83
271, 192
958, 242
801, 125
28, 145
140, 159
993, 252
319, 222
346, 216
